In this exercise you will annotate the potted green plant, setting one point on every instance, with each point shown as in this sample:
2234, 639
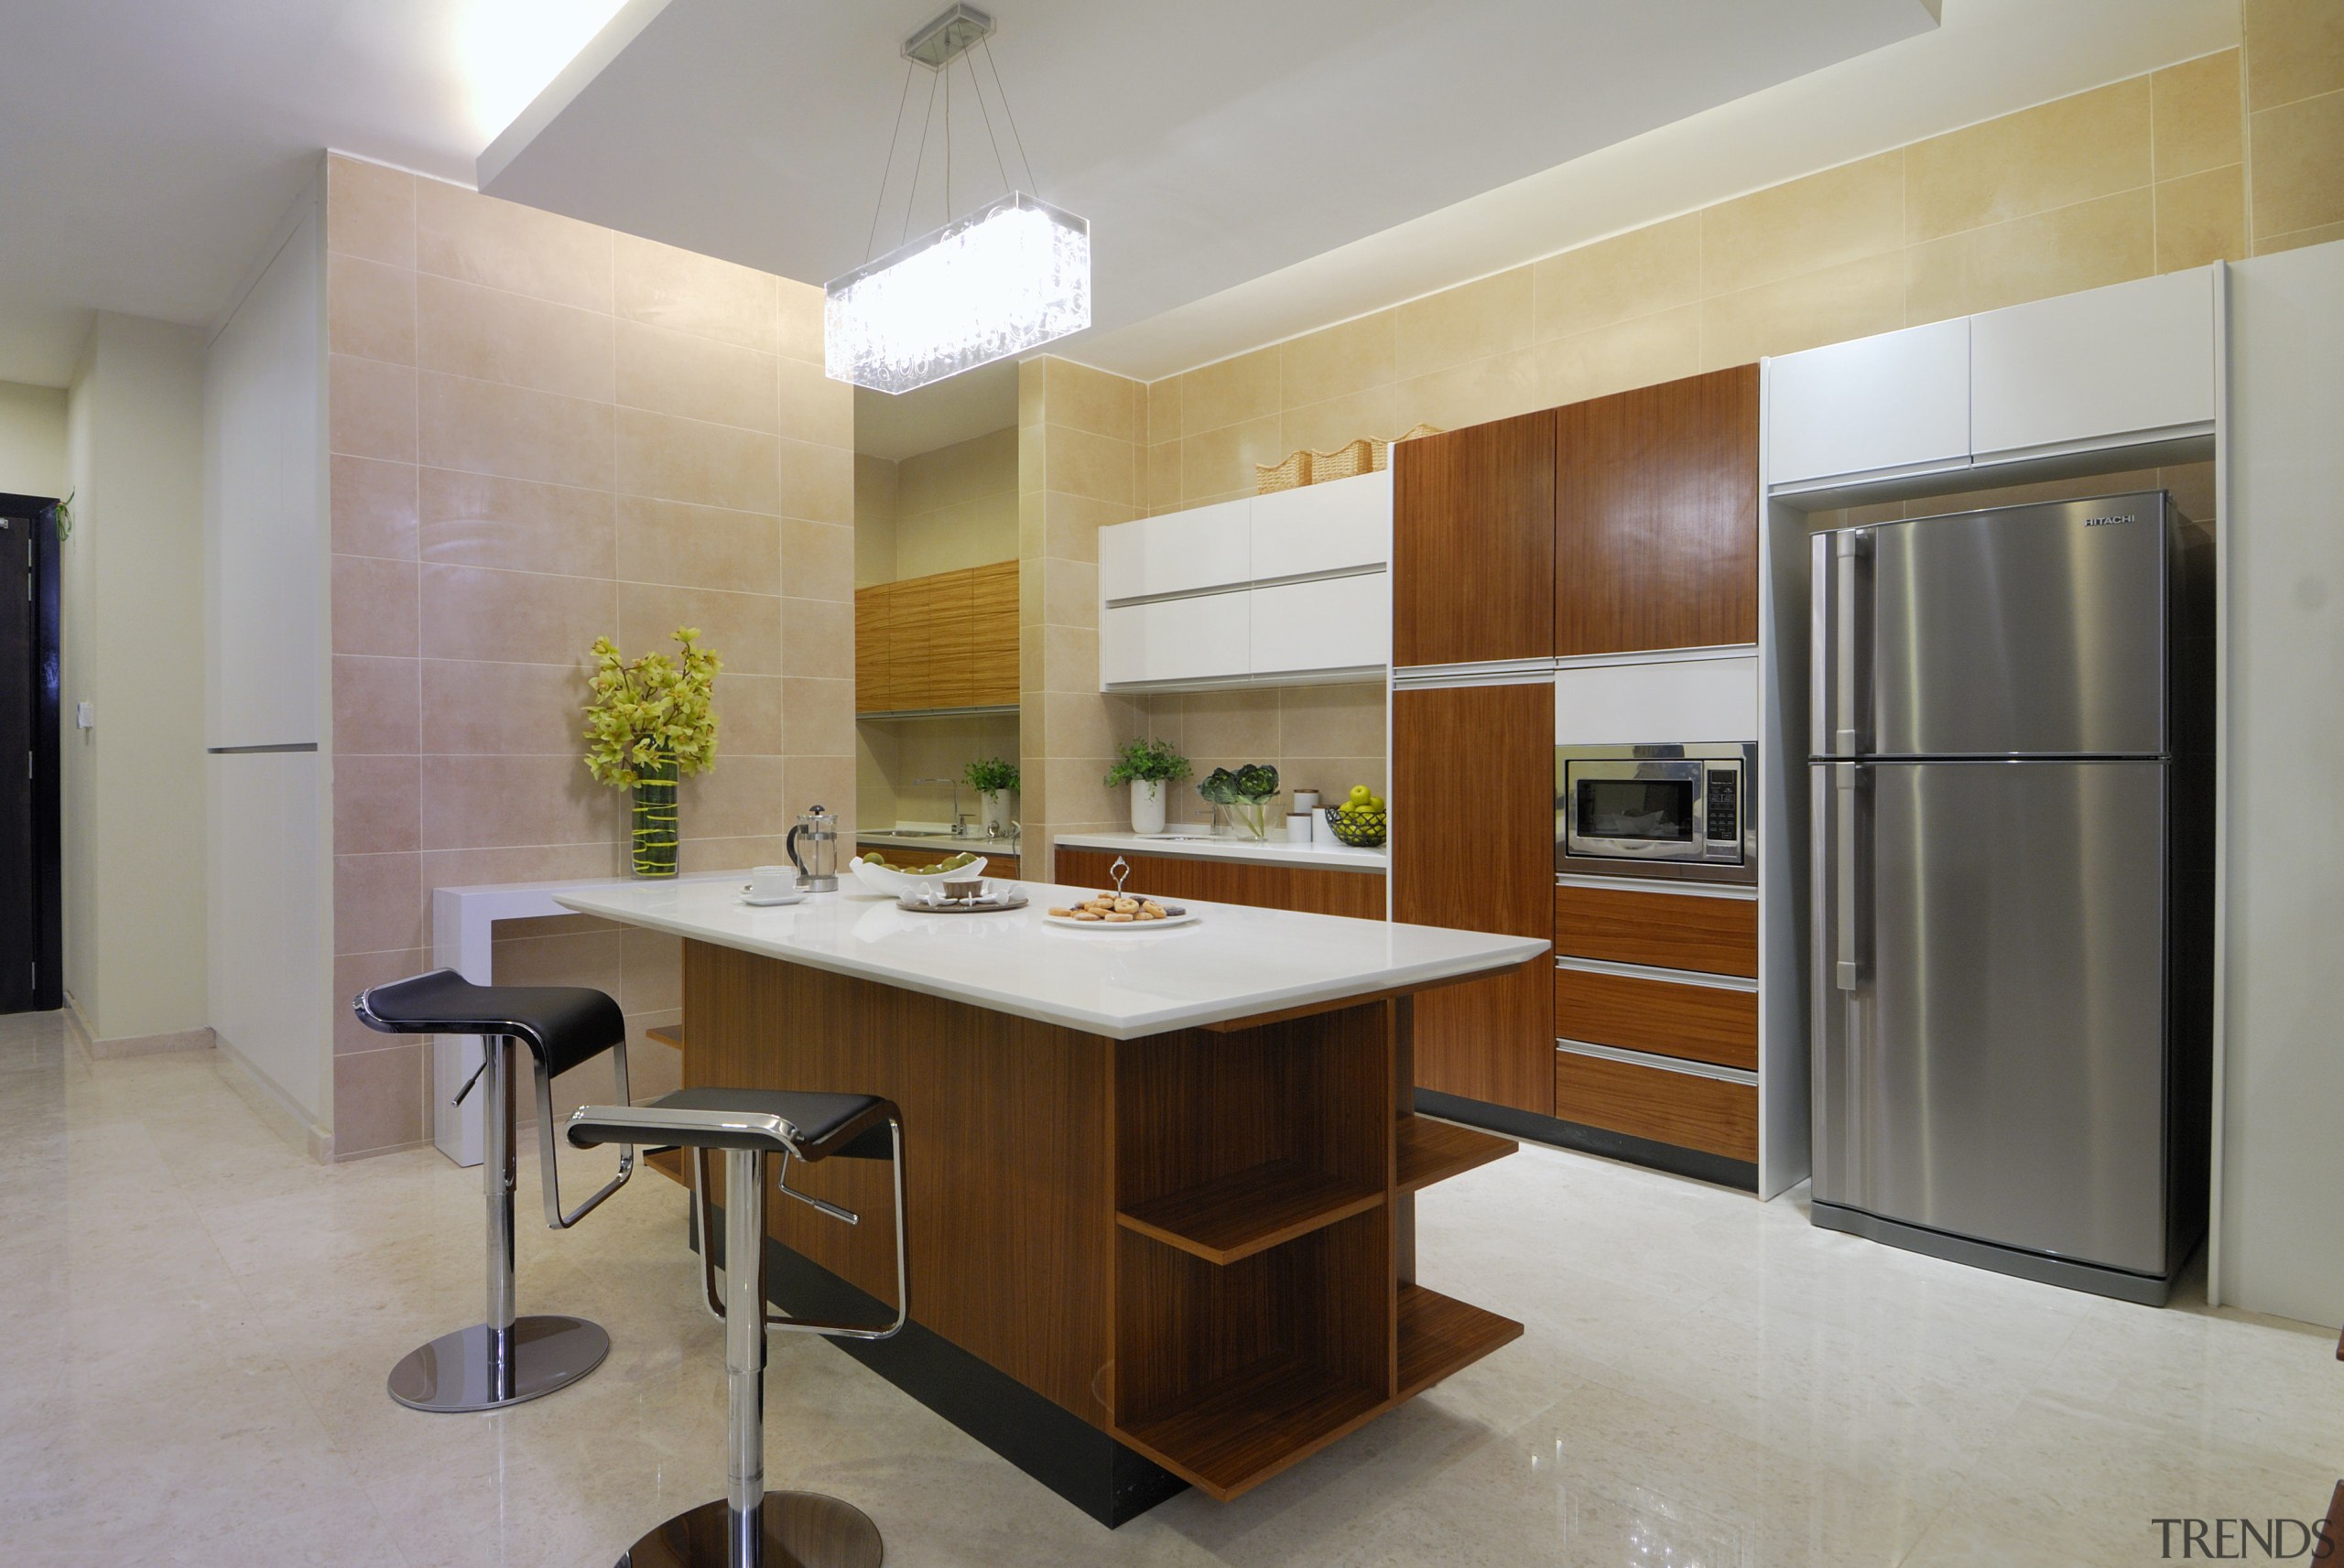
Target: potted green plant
994, 779
648, 723
1147, 765
1250, 792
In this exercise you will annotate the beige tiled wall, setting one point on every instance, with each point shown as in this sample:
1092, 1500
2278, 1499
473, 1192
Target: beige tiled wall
1078, 462
936, 512
1325, 737
2295, 122
2140, 177
542, 432
933, 512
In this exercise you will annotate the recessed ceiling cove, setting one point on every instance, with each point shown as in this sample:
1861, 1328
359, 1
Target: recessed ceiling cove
1208, 142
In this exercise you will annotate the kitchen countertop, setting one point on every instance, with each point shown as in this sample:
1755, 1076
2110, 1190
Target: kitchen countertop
1236, 962
1275, 850
976, 843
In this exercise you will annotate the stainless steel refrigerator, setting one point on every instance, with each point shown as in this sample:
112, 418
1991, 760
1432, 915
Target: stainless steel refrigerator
2012, 898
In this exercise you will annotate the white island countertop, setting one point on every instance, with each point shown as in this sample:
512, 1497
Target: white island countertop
1235, 962
1195, 843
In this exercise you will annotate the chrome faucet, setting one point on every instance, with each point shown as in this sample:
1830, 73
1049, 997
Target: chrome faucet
959, 818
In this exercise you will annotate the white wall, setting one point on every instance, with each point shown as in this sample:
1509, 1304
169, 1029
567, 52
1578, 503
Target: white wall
132, 575
32, 440
269, 893
2282, 1171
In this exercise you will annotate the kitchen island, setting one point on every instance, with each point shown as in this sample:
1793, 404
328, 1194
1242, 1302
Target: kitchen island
1160, 1181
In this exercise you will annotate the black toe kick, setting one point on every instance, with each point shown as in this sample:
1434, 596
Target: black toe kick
1059, 1449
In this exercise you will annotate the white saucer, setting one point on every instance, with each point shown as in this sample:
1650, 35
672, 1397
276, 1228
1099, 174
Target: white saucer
773, 903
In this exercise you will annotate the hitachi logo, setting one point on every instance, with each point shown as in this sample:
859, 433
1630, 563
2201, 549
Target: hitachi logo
2103, 521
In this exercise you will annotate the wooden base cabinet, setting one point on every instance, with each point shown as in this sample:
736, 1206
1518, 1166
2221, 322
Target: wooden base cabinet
1306, 889
1473, 777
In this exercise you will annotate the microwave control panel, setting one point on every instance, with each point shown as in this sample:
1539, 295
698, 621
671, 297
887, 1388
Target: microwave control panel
1724, 810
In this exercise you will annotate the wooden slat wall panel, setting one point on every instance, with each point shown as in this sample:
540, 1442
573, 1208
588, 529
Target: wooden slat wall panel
948, 640
1474, 767
874, 681
994, 659
1473, 544
1672, 931
1656, 517
1651, 1102
1701, 1023
952, 640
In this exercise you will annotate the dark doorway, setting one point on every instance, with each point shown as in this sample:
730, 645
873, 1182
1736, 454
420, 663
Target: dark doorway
32, 927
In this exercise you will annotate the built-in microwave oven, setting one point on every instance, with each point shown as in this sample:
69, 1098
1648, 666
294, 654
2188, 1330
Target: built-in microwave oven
1656, 811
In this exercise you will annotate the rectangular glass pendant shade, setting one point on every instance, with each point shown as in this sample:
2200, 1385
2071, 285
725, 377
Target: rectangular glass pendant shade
1013, 274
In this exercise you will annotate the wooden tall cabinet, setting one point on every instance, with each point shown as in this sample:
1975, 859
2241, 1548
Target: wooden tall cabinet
1473, 544
1473, 771
1656, 517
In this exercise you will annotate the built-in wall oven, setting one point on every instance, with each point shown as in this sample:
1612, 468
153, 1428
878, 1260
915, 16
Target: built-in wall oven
1657, 810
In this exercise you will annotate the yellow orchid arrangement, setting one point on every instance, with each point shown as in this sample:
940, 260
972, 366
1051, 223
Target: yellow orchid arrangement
646, 712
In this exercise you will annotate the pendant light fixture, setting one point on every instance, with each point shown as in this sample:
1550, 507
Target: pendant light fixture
1012, 274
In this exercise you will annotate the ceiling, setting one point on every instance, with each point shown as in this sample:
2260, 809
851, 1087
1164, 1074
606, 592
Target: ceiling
1208, 143
150, 148
1249, 178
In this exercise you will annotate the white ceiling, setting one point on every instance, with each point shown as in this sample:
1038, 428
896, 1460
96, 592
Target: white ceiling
147, 150
1209, 142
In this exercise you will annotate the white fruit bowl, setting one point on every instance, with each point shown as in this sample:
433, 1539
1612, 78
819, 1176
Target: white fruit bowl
895, 884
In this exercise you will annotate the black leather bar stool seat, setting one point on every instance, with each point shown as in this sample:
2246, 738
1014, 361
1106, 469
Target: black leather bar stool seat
504, 1358
752, 1528
564, 1026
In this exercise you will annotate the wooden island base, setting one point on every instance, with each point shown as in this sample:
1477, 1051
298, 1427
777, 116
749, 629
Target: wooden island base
1199, 1245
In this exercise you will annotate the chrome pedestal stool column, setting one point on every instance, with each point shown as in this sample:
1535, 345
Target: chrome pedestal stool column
753, 1528
505, 1359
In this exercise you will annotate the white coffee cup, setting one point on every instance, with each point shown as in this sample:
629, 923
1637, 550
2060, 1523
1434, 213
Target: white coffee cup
772, 882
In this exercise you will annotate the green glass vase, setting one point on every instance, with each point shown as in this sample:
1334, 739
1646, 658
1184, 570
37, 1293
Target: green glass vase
655, 818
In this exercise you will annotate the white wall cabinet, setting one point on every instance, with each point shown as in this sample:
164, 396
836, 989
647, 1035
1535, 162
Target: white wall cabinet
2131, 363
2133, 358
1202, 548
1331, 623
1278, 590
1205, 638
1344, 525
1898, 403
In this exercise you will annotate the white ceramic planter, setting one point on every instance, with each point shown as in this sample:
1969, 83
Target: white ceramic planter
993, 810
1147, 805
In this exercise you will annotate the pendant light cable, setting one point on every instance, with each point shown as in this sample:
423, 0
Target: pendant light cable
1010, 114
871, 245
913, 195
977, 87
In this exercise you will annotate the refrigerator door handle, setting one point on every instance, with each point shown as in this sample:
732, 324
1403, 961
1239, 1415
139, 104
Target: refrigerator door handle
1853, 547
1847, 781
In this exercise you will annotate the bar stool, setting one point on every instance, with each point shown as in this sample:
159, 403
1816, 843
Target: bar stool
506, 1359
752, 1528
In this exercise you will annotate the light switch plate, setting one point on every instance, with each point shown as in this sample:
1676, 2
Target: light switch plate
84, 716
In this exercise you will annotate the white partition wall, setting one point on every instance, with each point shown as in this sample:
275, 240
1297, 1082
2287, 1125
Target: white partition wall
2280, 1164
265, 720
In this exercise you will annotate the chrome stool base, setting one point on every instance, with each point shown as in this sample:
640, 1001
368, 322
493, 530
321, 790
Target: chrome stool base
457, 1371
802, 1529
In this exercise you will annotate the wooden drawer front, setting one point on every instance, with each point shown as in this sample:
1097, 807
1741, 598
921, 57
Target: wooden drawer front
1701, 1023
1667, 930
1676, 1109
1304, 888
